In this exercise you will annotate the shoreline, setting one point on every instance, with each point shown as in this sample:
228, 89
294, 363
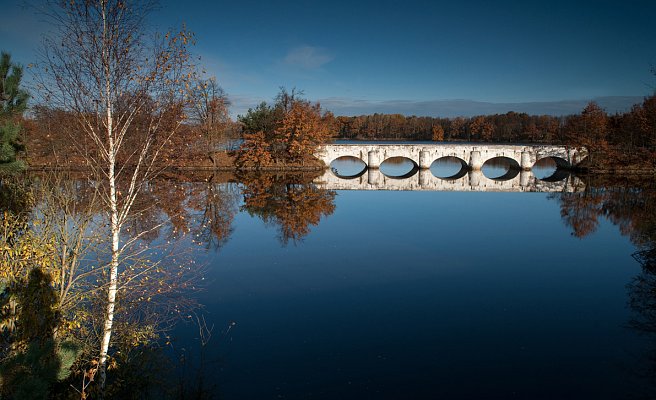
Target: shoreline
624, 171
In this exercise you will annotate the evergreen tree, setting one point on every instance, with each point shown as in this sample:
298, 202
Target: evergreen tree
13, 102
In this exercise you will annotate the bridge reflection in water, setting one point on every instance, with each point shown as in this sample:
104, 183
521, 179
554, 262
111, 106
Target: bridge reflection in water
467, 181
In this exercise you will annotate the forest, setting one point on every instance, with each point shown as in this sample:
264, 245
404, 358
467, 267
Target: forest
615, 139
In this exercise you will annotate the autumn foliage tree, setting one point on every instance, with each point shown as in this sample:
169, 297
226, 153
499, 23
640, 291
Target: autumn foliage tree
481, 129
438, 133
254, 151
301, 130
589, 128
287, 132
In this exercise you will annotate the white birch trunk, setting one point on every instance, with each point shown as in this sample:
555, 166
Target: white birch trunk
115, 224
113, 277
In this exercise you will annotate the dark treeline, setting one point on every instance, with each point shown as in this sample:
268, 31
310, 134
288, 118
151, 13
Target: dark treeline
615, 136
511, 126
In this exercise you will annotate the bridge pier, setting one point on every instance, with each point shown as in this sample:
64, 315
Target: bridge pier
425, 160
373, 176
373, 158
526, 163
425, 177
475, 160
525, 177
474, 177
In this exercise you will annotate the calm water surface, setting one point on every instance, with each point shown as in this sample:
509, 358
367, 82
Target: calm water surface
426, 295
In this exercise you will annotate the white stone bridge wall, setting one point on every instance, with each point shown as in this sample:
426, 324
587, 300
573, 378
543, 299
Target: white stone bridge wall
473, 155
424, 180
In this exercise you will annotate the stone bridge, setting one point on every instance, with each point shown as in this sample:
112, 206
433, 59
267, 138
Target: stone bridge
472, 155
470, 181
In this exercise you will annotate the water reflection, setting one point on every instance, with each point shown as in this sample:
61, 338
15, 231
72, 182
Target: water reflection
446, 168
465, 181
290, 202
348, 167
378, 289
398, 167
544, 168
631, 206
449, 168
500, 168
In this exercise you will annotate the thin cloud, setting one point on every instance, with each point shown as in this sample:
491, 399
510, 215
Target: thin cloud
240, 103
468, 108
308, 57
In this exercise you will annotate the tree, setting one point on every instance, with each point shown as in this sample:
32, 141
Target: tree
588, 129
254, 151
481, 128
287, 131
13, 102
128, 92
438, 133
262, 118
301, 130
210, 111
458, 126
644, 116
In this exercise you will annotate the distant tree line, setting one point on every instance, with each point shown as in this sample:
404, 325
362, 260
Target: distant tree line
636, 128
511, 126
617, 137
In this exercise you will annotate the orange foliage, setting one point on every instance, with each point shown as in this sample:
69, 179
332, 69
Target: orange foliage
301, 130
293, 203
438, 133
254, 151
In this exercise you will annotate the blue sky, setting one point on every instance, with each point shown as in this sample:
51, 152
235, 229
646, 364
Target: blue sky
364, 56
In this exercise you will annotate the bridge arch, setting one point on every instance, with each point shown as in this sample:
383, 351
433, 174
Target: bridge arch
330, 153
560, 162
449, 173
512, 168
348, 167
557, 176
388, 165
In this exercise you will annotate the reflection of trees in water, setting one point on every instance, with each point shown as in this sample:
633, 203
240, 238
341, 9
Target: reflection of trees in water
633, 209
215, 207
14, 194
580, 212
171, 209
291, 202
397, 161
642, 301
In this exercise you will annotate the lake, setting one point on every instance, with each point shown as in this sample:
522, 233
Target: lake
316, 294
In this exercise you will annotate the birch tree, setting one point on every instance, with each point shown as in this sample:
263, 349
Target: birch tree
101, 64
